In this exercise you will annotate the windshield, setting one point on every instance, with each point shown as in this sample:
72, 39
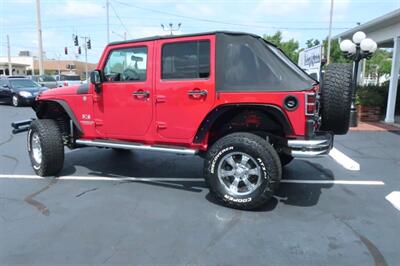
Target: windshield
23, 83
46, 78
63, 77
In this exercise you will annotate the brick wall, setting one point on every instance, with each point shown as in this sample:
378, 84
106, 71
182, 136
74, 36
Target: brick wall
368, 113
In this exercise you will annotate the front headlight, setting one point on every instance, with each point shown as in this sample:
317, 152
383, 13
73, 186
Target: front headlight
25, 93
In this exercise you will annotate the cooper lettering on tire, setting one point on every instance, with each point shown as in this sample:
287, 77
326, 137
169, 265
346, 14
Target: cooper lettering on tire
336, 95
242, 170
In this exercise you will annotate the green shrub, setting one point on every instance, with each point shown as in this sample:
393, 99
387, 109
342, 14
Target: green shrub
373, 96
377, 96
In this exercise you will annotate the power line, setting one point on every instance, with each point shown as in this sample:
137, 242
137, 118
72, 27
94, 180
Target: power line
120, 20
219, 21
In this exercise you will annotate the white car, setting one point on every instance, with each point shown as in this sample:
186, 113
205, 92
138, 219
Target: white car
68, 80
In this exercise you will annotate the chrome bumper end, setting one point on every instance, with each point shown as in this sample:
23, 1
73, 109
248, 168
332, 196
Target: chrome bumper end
319, 145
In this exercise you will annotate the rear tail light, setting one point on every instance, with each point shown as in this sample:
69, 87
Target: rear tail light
310, 103
65, 83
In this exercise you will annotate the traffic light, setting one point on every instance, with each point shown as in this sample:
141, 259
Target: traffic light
76, 40
66, 50
79, 50
89, 45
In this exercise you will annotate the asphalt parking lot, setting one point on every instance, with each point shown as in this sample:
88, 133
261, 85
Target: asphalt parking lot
96, 213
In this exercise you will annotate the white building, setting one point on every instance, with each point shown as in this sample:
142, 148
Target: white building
385, 30
22, 65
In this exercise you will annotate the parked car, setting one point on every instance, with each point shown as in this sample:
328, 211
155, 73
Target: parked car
45, 80
68, 80
232, 98
17, 90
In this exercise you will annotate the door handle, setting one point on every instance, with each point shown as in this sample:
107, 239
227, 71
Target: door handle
197, 93
141, 94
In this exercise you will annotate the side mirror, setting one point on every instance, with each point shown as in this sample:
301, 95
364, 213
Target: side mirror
95, 79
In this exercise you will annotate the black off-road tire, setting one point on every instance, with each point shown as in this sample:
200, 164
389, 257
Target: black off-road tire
285, 159
336, 95
52, 148
266, 158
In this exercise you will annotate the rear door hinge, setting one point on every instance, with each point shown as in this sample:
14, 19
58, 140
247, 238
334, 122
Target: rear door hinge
161, 125
160, 99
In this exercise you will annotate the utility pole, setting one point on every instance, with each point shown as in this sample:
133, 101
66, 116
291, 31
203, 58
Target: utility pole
39, 33
328, 54
86, 66
171, 29
108, 20
9, 56
58, 63
86, 45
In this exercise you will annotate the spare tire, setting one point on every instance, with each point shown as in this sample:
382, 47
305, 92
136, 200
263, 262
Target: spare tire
336, 95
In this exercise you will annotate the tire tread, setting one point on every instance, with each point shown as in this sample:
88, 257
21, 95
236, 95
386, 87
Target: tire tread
52, 146
260, 145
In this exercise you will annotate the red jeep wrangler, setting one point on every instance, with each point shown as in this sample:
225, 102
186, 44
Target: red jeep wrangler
232, 98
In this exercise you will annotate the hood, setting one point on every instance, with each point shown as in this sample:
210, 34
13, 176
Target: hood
70, 90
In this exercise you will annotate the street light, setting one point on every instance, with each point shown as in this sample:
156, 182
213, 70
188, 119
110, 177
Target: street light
356, 50
171, 28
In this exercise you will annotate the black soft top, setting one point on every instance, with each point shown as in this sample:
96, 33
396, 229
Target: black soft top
247, 62
163, 37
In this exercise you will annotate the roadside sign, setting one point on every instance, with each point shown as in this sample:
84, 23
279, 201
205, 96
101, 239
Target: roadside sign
311, 57
310, 60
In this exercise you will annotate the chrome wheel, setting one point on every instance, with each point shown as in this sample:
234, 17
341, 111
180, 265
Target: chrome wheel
36, 148
15, 100
239, 173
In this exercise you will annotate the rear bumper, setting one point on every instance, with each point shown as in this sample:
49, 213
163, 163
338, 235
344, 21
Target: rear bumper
320, 144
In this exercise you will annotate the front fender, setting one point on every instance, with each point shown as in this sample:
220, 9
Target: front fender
55, 108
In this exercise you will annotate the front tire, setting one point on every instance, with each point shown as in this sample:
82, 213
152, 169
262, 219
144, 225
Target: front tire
45, 147
242, 170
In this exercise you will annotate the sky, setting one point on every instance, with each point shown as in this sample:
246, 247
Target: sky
301, 20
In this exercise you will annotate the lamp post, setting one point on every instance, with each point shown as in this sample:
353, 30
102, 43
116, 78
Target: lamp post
356, 50
171, 28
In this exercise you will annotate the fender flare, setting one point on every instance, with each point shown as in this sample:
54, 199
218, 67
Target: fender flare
36, 107
275, 112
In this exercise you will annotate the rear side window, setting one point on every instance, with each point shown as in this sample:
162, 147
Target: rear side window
186, 60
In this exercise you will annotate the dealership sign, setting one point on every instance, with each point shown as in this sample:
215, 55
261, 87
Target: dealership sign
311, 58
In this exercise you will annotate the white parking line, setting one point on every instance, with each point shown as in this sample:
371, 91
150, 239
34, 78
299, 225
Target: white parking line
394, 198
337, 182
344, 160
102, 178
168, 179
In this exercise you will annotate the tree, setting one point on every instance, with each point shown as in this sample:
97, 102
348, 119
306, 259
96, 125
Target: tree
379, 64
312, 42
290, 47
336, 54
